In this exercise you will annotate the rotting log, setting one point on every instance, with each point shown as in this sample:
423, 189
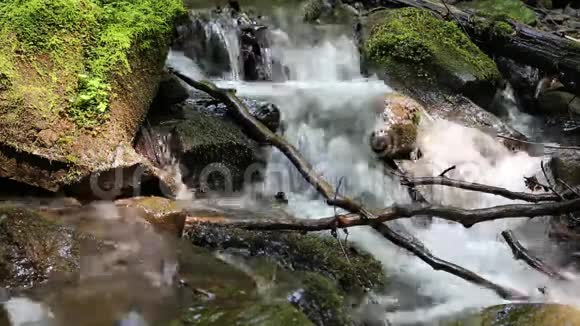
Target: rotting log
552, 53
261, 132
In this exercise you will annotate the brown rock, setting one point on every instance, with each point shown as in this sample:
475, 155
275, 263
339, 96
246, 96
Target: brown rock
47, 137
162, 213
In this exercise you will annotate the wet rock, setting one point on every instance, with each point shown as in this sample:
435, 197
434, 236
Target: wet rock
415, 49
557, 103
164, 214
226, 42
32, 248
525, 314
213, 152
327, 282
295, 251
522, 78
395, 136
265, 112
565, 165
171, 91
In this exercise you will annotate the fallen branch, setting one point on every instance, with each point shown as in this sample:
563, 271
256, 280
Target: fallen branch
465, 217
444, 181
260, 132
521, 253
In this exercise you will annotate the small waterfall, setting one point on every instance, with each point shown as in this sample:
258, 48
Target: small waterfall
225, 31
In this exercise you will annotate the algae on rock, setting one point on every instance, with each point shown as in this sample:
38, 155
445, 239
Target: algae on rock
83, 72
413, 45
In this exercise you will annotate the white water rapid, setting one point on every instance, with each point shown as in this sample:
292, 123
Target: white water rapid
328, 110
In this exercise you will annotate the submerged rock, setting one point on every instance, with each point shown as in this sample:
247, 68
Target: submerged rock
328, 281
77, 80
525, 314
32, 248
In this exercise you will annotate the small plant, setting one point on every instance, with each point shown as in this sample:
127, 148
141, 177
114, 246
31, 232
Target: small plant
89, 108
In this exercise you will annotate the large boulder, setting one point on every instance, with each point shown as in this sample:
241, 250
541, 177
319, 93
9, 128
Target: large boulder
412, 48
77, 78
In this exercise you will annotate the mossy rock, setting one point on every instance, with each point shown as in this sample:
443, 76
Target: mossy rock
32, 248
523, 315
209, 143
313, 272
413, 47
502, 10
162, 213
77, 78
395, 136
295, 251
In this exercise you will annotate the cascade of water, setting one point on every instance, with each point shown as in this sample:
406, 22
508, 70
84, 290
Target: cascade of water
227, 33
328, 109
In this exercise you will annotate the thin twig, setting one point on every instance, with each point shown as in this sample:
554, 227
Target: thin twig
542, 144
444, 181
447, 170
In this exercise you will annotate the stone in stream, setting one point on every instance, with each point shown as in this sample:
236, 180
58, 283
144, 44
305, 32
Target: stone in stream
64, 114
395, 135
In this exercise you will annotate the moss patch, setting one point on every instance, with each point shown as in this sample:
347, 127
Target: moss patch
523, 315
83, 71
88, 41
32, 247
411, 42
501, 10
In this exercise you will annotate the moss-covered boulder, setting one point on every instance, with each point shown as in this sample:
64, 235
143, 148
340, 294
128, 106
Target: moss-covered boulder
412, 47
523, 315
32, 248
77, 78
329, 283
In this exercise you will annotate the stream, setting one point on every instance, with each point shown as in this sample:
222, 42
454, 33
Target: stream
328, 108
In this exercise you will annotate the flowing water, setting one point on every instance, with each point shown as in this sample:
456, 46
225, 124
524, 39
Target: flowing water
328, 109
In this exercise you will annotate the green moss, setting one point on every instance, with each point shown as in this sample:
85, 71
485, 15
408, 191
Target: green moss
522, 315
502, 10
320, 254
412, 41
88, 41
329, 302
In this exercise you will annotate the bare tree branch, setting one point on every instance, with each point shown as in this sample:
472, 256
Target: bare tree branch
261, 132
520, 252
444, 181
465, 217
